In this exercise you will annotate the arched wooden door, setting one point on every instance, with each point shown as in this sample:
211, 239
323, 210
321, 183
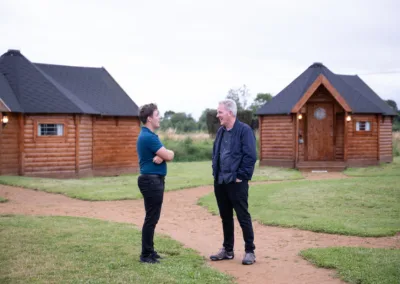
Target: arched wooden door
320, 132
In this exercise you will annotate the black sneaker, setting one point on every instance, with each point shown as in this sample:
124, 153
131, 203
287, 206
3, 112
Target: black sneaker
148, 259
155, 255
249, 258
222, 254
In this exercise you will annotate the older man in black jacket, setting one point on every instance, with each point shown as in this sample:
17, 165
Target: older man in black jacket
234, 157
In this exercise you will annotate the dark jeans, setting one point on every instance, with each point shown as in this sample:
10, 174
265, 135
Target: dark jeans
235, 196
152, 189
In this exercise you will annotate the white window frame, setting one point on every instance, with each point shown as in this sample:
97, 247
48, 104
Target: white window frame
363, 126
59, 129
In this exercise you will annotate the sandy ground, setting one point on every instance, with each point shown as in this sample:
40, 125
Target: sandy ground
276, 248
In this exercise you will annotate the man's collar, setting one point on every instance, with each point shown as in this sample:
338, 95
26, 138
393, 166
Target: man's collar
233, 127
145, 128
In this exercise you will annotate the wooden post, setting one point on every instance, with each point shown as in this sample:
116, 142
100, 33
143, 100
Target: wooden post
296, 140
334, 131
93, 139
260, 137
77, 139
21, 144
305, 135
345, 137
378, 122
1, 141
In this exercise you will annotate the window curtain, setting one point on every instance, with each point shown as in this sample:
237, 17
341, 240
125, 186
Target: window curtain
60, 129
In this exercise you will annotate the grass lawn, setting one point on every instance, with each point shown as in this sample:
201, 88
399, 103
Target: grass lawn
358, 265
79, 250
2, 199
359, 206
392, 169
180, 175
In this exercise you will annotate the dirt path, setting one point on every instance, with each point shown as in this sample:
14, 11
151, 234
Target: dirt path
183, 220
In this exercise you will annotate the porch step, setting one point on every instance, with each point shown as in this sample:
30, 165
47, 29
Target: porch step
321, 166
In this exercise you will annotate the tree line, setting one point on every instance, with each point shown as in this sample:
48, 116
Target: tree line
183, 122
396, 120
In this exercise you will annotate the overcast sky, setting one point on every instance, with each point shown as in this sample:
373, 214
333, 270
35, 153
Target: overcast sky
186, 55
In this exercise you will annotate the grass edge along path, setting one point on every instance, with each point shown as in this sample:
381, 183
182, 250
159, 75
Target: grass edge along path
358, 265
180, 176
358, 206
76, 250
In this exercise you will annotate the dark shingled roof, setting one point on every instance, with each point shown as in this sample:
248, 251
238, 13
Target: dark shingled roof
7, 95
357, 94
42, 88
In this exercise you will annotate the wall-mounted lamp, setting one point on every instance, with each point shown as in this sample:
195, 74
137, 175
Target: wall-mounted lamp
300, 116
4, 120
348, 118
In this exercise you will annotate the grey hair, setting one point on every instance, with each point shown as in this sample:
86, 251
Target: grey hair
230, 105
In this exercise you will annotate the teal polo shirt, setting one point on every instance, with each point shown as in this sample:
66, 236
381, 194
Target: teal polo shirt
147, 145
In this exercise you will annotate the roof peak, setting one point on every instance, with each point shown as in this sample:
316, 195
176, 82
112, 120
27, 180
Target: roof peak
13, 52
317, 65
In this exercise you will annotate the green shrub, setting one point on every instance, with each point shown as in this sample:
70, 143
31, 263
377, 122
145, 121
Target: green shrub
189, 150
396, 147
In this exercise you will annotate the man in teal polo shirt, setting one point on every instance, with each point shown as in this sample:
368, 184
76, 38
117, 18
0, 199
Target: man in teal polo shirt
153, 169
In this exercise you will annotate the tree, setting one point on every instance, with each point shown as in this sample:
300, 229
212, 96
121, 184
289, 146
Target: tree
392, 104
168, 114
180, 121
396, 120
259, 101
179, 117
240, 96
202, 123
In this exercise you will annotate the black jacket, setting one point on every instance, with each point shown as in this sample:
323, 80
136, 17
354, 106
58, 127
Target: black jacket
243, 151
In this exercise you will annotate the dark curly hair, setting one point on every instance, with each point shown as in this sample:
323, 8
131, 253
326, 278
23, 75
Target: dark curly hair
145, 111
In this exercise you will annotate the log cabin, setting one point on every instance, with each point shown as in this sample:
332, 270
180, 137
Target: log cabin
325, 121
64, 121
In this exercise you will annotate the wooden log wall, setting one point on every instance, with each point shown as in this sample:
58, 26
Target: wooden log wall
9, 146
303, 133
114, 144
339, 137
385, 139
49, 156
89, 145
277, 140
362, 146
85, 144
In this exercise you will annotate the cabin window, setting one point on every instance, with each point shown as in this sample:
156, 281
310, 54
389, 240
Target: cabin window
50, 129
363, 126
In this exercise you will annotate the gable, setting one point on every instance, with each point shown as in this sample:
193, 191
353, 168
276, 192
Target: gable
321, 81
